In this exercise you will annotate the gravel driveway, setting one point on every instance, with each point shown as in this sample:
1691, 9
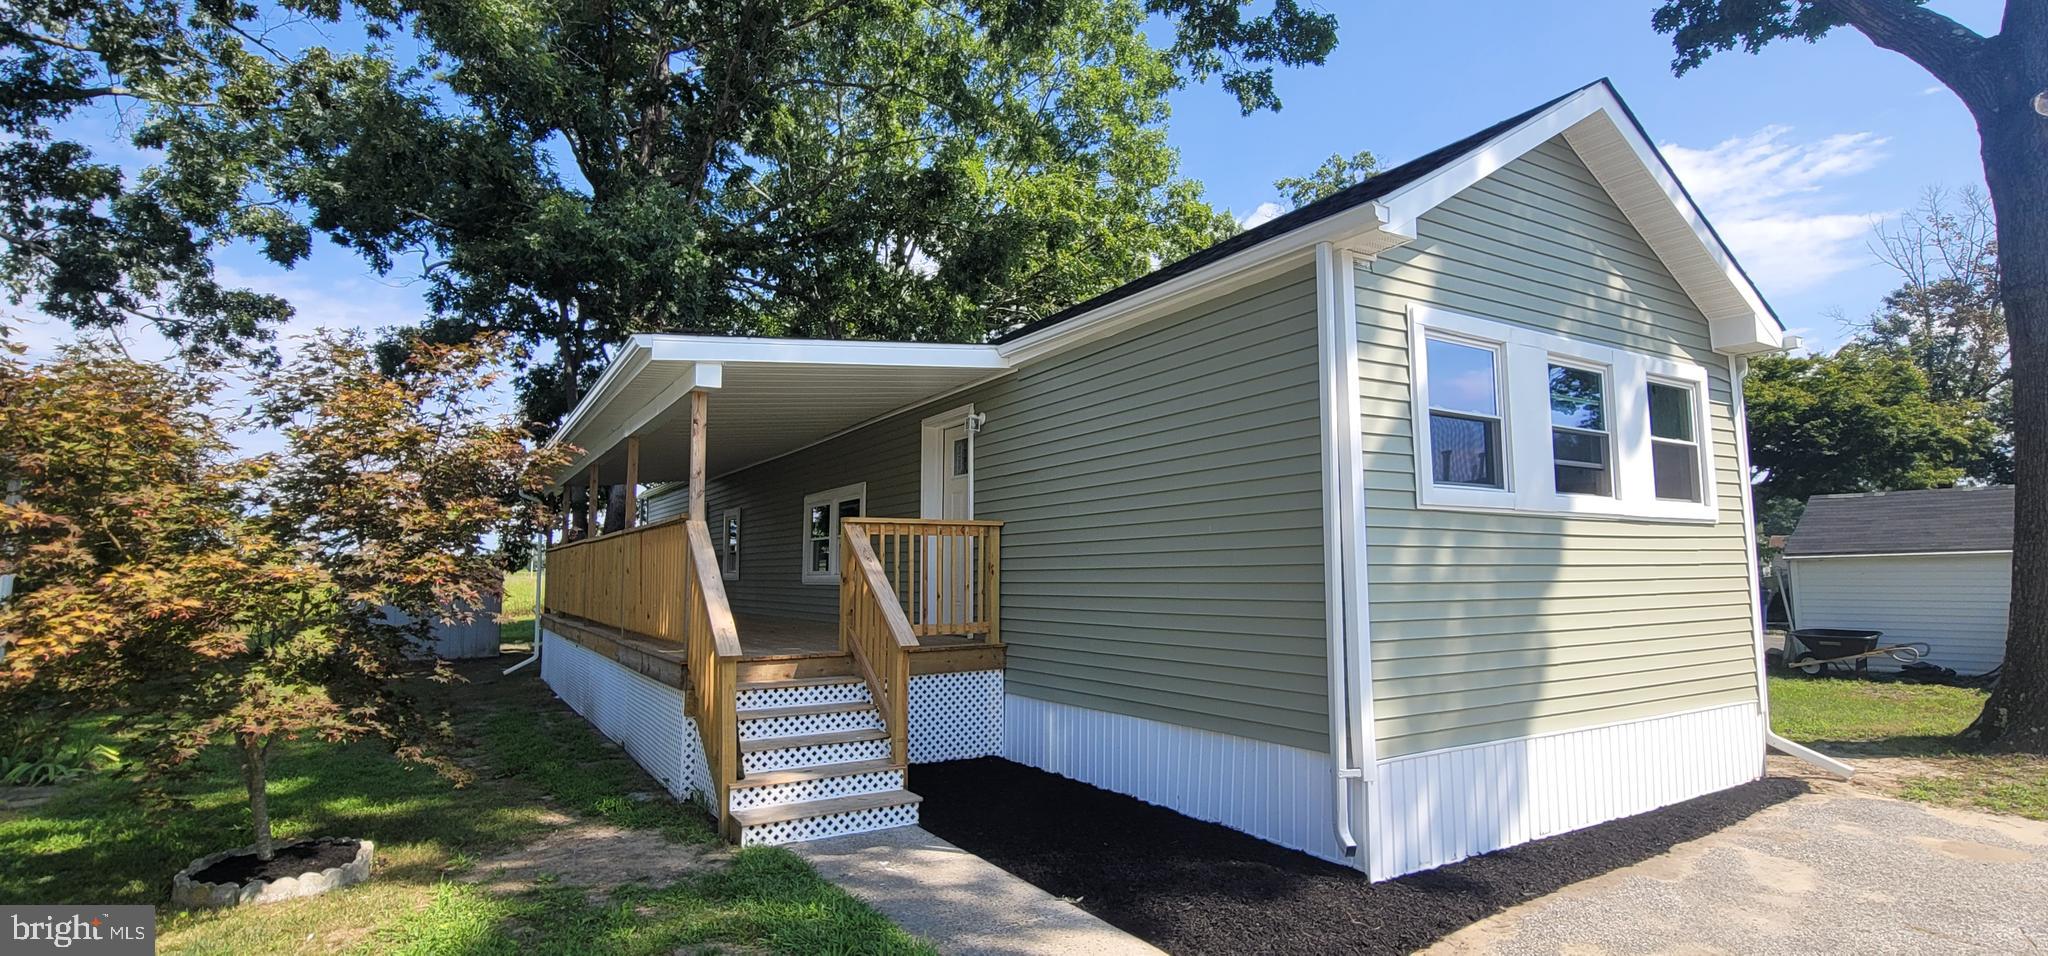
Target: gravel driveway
1836, 870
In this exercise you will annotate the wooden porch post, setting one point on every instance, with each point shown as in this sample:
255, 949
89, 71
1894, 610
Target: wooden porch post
596, 508
699, 406
632, 479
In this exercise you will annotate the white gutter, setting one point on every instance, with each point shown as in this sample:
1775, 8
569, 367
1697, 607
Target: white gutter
1351, 743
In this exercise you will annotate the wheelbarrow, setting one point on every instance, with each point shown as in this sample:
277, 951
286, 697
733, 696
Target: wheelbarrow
1850, 649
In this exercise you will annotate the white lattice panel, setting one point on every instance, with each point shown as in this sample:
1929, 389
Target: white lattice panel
823, 788
814, 755
956, 716
761, 728
762, 698
830, 825
645, 717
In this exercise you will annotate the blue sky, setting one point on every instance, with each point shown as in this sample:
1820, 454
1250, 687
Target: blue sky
1793, 153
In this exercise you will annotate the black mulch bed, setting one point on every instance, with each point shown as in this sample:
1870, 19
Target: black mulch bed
1193, 887
298, 859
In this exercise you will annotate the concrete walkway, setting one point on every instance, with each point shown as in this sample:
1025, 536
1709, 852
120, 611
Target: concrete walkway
1840, 870
960, 902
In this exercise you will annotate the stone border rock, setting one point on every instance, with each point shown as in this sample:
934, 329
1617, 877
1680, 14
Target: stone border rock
188, 892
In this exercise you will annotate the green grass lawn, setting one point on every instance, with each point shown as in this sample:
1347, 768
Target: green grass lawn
533, 761
517, 625
1858, 718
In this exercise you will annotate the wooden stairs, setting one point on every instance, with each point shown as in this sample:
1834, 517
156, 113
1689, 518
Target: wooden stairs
814, 754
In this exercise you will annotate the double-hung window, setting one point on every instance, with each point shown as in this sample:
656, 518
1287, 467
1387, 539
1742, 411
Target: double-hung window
1582, 454
1674, 448
822, 514
1512, 418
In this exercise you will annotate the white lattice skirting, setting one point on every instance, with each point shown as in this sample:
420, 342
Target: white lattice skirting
1277, 793
956, 716
1437, 808
643, 716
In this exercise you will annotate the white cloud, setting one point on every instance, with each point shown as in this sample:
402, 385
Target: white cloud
1264, 213
1768, 196
1936, 88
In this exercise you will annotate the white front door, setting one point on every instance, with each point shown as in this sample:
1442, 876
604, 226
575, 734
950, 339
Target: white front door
957, 474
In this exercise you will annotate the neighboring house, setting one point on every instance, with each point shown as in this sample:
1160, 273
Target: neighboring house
1933, 567
1409, 525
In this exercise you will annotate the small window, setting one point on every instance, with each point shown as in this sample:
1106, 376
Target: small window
959, 457
822, 514
1674, 448
1464, 414
1578, 432
731, 555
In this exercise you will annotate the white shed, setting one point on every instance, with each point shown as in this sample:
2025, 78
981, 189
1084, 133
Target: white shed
1922, 566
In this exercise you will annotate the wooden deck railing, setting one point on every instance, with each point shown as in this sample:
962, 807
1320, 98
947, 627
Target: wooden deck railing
946, 575
662, 581
875, 632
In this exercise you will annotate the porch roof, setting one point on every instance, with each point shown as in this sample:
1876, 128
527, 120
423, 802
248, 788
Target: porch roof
766, 397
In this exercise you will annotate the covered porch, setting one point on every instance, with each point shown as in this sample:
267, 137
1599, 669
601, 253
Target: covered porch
798, 652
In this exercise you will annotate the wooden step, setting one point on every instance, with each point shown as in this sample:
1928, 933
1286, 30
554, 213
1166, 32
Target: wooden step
758, 816
806, 710
825, 771
808, 665
811, 740
771, 683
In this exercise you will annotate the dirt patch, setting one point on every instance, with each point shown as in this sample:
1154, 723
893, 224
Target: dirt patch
294, 860
596, 856
1193, 887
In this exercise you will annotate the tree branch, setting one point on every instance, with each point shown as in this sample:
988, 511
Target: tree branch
1940, 45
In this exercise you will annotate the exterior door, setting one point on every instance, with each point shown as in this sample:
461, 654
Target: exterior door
956, 503
948, 591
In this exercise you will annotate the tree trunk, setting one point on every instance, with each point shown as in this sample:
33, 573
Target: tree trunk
2015, 152
615, 509
255, 754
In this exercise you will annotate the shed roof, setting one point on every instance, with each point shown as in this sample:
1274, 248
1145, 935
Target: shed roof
1905, 522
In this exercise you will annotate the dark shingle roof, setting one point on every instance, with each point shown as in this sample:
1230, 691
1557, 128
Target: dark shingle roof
1906, 522
1349, 197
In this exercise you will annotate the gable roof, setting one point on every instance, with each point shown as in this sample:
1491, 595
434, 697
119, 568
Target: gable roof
1593, 120
1905, 522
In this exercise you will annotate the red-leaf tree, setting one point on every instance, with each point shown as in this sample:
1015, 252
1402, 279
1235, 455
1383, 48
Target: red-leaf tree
214, 600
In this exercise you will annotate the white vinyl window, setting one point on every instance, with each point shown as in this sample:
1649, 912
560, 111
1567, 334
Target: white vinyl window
1583, 456
1510, 418
822, 513
1674, 446
729, 545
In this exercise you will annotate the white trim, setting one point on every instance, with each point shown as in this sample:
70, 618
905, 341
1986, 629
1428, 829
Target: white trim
1738, 372
932, 460
731, 525
1524, 402
665, 347
1338, 418
1439, 807
831, 498
1892, 554
1274, 792
1361, 228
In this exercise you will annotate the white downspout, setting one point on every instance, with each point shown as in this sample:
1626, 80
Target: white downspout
1337, 481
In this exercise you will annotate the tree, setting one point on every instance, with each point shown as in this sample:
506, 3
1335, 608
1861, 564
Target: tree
1947, 318
209, 600
2003, 81
1859, 420
190, 85
1334, 174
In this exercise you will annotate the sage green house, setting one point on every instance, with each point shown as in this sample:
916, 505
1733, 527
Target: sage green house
1407, 526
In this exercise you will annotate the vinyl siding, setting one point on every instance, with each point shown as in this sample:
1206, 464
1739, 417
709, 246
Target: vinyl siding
1491, 626
1956, 604
1163, 552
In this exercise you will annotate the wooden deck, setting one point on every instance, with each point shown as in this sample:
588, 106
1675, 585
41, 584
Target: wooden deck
764, 637
765, 640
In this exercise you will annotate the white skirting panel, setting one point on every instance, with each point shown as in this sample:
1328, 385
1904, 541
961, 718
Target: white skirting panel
644, 716
956, 716
1437, 808
1279, 794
